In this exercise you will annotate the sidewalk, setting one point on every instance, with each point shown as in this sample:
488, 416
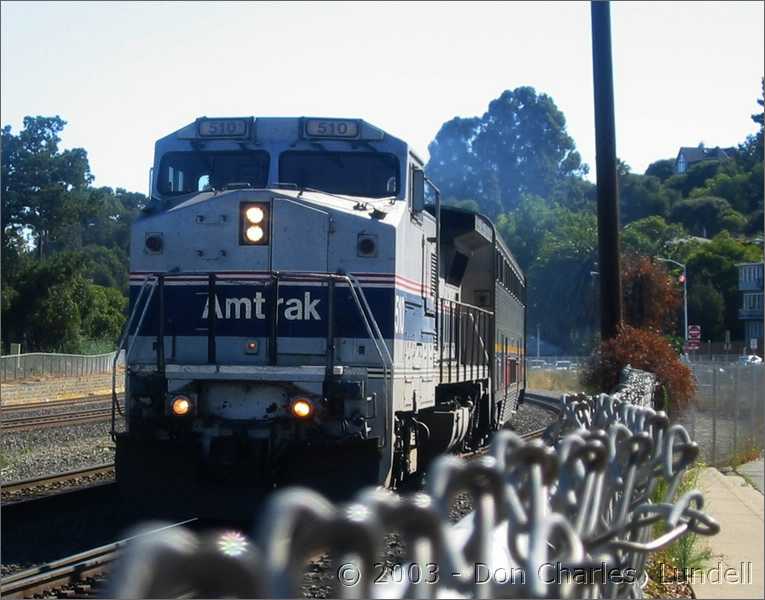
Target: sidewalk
737, 566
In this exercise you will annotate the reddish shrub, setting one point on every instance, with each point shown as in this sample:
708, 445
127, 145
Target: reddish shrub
651, 297
644, 349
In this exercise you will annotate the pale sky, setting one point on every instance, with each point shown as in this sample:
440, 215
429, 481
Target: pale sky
124, 74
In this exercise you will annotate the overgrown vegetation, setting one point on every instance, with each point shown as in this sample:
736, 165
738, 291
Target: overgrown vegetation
556, 381
678, 561
645, 349
64, 245
518, 164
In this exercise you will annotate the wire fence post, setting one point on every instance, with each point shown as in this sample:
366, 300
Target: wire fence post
735, 411
714, 415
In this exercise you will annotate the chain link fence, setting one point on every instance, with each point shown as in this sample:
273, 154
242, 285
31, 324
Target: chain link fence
574, 519
21, 367
726, 417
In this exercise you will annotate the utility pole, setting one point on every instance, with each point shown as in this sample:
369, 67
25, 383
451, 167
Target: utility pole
537, 340
605, 162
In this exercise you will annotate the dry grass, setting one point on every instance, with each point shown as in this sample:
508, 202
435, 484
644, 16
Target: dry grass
555, 381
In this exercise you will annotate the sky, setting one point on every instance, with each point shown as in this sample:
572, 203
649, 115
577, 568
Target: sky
125, 74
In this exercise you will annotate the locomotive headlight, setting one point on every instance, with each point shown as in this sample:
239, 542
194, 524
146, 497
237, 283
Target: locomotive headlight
255, 215
301, 408
254, 234
253, 223
181, 405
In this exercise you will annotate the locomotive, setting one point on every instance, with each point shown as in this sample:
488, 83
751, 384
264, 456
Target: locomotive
302, 305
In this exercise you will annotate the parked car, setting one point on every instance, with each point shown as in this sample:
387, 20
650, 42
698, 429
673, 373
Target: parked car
537, 363
750, 359
563, 365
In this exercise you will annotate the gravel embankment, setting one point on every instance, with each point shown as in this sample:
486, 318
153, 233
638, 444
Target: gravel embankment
41, 452
530, 418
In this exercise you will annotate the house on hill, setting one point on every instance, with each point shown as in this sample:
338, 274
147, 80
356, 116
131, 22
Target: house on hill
688, 156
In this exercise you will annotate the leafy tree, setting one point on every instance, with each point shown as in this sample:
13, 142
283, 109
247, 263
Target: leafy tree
651, 236
714, 263
706, 308
104, 313
563, 292
37, 177
742, 189
642, 196
662, 169
698, 174
751, 151
47, 311
525, 228
519, 146
706, 216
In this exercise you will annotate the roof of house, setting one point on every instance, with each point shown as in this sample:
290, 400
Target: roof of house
694, 154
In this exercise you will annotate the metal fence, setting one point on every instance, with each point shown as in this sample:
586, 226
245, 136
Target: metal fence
21, 367
576, 520
726, 417
549, 362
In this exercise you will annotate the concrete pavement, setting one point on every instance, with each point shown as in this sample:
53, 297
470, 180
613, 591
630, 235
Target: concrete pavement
753, 472
737, 566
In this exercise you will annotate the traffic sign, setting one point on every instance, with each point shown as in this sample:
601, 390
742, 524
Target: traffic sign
694, 332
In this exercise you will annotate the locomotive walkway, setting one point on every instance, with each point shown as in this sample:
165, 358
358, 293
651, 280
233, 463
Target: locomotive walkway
737, 566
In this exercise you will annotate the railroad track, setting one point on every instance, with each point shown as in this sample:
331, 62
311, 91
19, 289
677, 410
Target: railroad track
93, 415
83, 400
14, 487
547, 402
78, 575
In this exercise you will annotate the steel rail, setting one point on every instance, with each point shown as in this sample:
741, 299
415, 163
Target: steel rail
81, 400
24, 484
56, 420
70, 571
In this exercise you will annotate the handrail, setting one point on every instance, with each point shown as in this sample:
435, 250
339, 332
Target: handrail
357, 293
148, 283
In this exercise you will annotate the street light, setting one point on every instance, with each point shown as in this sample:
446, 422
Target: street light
685, 295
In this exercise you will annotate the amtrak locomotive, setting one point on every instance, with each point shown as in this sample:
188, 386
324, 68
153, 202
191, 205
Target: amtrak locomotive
303, 306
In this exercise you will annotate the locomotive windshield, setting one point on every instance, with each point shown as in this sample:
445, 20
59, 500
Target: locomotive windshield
369, 174
187, 172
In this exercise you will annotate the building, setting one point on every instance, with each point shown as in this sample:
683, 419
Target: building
688, 156
750, 283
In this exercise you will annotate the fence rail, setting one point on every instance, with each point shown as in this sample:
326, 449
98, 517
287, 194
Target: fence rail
20, 367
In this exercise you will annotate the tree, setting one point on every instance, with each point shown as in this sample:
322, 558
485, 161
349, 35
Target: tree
643, 196
519, 146
706, 308
562, 292
661, 169
698, 174
47, 312
651, 297
104, 313
751, 151
525, 228
714, 263
37, 177
739, 189
651, 236
707, 216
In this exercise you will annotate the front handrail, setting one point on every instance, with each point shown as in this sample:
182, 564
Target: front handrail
148, 283
356, 290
